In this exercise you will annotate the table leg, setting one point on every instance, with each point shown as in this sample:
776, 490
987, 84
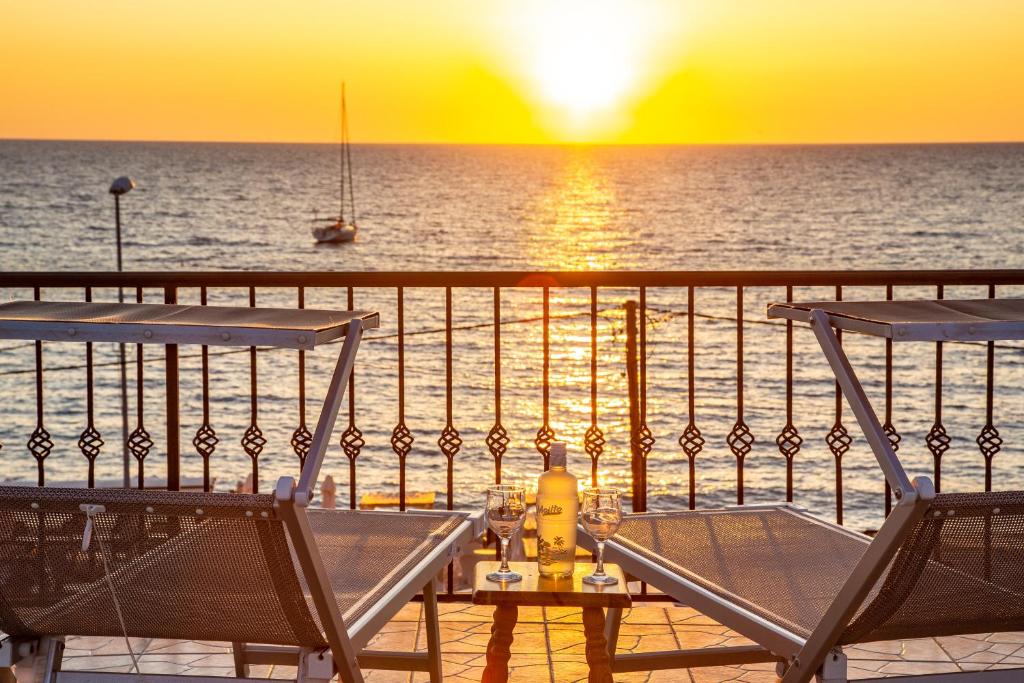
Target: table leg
597, 646
499, 646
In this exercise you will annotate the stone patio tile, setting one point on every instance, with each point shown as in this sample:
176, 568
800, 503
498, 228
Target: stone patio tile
883, 647
453, 611
869, 663
262, 670
522, 669
552, 651
395, 635
190, 660
646, 638
214, 659
650, 676
532, 615
90, 643
569, 669
381, 676
678, 614
863, 652
645, 615
924, 650
855, 671
759, 676
158, 667
958, 647
104, 645
472, 637
566, 640
919, 667
411, 611
707, 636
716, 674
117, 646
980, 658
462, 611
96, 662
122, 669
212, 671
282, 672
670, 676
563, 615
690, 640
161, 646
1005, 648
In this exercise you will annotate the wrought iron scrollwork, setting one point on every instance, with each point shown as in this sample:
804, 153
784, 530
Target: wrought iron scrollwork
301, 442
789, 441
450, 442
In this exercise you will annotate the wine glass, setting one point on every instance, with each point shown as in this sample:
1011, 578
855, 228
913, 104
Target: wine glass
506, 511
601, 514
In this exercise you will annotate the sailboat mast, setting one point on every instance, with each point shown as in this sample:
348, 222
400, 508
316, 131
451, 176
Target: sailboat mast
348, 162
341, 160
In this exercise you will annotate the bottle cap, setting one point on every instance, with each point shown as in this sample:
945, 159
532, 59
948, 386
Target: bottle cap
557, 454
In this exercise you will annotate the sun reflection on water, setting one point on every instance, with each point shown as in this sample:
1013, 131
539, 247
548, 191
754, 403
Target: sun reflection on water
575, 227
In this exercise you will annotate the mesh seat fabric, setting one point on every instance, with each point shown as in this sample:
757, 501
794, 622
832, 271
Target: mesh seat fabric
228, 573
367, 553
779, 564
960, 571
220, 575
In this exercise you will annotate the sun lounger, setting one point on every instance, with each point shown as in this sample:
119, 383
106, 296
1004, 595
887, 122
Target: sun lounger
283, 583
802, 588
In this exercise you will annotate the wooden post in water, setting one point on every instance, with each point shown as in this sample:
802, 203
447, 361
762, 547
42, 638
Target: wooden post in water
634, 403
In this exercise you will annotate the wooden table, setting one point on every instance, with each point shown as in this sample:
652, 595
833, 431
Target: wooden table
537, 591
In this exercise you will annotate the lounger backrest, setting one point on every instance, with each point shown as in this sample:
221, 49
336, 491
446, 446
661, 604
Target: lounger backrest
202, 566
960, 571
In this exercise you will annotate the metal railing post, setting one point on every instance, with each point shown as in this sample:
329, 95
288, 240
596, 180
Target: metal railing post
173, 406
634, 404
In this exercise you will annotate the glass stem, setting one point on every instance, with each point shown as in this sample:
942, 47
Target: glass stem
504, 556
600, 559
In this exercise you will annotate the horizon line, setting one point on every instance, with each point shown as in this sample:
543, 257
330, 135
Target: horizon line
862, 143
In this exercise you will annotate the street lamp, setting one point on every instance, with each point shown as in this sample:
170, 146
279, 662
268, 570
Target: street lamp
120, 186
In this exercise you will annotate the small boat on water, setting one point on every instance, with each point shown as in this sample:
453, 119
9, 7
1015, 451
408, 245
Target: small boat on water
340, 228
335, 230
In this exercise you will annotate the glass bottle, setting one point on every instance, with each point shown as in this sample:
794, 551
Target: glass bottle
557, 508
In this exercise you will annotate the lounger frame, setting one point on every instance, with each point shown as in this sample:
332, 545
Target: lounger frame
40, 659
817, 655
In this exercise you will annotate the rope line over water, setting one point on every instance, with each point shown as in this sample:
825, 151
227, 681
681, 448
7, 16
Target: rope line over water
663, 314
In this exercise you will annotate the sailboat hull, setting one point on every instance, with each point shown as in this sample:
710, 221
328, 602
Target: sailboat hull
335, 233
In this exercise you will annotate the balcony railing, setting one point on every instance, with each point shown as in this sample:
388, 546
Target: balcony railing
673, 383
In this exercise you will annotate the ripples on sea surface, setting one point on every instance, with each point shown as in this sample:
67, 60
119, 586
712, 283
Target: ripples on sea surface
213, 206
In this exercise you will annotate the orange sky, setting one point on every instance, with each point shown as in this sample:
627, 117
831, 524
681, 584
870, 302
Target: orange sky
643, 71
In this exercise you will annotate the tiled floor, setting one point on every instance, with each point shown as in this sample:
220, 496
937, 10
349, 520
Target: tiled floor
549, 647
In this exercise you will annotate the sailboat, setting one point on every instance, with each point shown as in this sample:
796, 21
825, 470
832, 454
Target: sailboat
341, 228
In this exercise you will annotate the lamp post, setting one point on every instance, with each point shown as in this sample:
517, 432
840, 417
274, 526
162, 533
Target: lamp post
120, 186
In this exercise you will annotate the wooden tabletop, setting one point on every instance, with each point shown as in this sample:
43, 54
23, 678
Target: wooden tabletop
537, 591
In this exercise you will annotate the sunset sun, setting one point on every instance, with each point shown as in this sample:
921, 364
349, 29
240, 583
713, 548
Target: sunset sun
583, 64
586, 56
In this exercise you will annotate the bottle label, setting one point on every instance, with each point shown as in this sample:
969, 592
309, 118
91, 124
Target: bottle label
556, 537
553, 551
